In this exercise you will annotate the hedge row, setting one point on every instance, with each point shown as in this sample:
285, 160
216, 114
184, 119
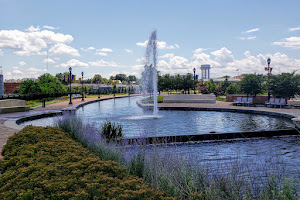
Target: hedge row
45, 163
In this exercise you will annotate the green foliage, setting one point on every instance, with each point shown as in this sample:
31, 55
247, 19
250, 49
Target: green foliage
251, 84
121, 77
132, 78
47, 84
212, 86
30, 87
233, 88
112, 132
45, 163
97, 78
61, 77
285, 85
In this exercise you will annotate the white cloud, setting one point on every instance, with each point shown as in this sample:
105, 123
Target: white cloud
160, 45
22, 63
49, 60
102, 63
142, 59
294, 29
223, 55
32, 42
128, 50
33, 69
251, 30
105, 50
248, 38
74, 63
291, 42
33, 29
64, 49
50, 27
1, 52
167, 56
101, 54
88, 49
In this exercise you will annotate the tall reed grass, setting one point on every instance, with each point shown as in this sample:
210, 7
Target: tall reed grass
180, 175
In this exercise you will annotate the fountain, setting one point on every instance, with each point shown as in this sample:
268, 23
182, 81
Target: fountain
149, 76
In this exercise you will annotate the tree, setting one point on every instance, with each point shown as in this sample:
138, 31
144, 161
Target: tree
211, 86
252, 84
30, 87
97, 78
61, 77
233, 88
50, 84
121, 77
285, 85
131, 78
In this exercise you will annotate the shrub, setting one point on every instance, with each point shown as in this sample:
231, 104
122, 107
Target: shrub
46, 163
112, 132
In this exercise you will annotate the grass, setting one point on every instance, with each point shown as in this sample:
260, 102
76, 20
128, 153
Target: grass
219, 98
34, 103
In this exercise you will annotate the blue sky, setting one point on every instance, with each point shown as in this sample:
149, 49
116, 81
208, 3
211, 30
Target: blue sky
109, 37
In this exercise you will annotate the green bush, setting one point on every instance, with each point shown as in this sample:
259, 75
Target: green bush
46, 163
112, 132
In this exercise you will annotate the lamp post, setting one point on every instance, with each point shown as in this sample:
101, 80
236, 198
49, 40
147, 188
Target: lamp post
194, 80
269, 70
70, 80
82, 86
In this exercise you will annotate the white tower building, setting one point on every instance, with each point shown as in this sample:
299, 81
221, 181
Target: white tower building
205, 71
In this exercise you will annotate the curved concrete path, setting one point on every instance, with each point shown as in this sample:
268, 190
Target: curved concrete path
8, 126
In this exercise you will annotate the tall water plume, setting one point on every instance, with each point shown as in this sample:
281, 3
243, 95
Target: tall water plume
149, 76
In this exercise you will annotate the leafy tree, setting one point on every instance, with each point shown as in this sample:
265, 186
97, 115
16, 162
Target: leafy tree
61, 77
252, 84
121, 77
97, 78
50, 84
285, 85
211, 86
131, 78
233, 88
30, 87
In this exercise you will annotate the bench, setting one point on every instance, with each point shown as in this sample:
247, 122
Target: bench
13, 105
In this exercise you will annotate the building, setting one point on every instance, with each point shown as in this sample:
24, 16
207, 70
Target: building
205, 71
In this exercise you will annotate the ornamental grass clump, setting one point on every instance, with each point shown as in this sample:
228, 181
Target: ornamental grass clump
112, 132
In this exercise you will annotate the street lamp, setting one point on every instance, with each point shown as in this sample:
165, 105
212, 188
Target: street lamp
82, 86
269, 71
194, 80
70, 79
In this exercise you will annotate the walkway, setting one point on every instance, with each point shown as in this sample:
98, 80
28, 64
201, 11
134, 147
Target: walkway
6, 132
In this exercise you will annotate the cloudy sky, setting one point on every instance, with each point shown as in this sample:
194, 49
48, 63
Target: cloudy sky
109, 37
